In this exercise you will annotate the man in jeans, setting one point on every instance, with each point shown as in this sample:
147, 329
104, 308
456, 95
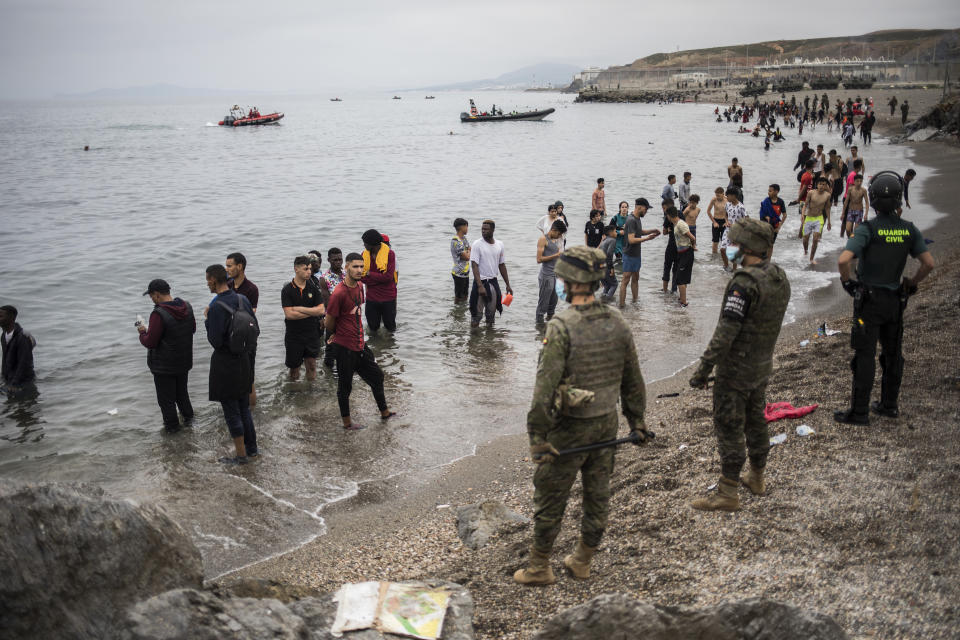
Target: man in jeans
549, 248
230, 375
349, 349
169, 343
486, 260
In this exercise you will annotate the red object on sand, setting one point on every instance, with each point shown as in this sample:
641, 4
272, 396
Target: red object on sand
780, 410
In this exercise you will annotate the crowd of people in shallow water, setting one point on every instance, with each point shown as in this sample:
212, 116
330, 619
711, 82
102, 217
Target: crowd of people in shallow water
324, 309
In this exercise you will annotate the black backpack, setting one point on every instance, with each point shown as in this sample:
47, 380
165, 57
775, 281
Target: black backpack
242, 331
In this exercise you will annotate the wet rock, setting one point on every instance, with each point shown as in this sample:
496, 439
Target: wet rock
72, 561
188, 614
264, 588
620, 617
200, 615
923, 134
477, 522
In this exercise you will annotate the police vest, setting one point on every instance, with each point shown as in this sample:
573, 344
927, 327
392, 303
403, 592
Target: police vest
750, 360
598, 341
174, 354
885, 255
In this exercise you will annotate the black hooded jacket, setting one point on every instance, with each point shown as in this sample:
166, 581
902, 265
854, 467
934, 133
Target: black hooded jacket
18, 357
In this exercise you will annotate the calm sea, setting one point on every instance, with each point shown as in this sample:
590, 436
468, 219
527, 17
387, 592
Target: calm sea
163, 192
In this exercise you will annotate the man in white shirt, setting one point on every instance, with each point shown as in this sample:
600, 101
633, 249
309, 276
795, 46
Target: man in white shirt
486, 261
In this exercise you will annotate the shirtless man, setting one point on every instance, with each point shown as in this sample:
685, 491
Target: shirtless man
691, 212
815, 209
717, 212
735, 172
855, 205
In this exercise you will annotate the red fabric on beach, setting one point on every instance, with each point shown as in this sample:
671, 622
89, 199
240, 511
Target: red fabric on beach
781, 410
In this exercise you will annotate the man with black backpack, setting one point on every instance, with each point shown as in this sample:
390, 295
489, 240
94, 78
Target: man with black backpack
232, 331
169, 342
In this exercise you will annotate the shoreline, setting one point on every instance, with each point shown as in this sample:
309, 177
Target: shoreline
393, 529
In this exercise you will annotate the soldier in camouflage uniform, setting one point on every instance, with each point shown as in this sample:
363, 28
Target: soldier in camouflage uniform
588, 361
742, 350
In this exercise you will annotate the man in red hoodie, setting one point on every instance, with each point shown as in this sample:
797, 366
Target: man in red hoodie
169, 343
380, 278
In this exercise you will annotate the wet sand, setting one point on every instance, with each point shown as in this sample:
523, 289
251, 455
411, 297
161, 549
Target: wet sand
859, 523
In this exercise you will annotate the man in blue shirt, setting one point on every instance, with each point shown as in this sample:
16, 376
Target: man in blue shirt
773, 211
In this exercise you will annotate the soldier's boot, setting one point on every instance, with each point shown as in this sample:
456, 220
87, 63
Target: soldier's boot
725, 498
754, 481
538, 572
578, 562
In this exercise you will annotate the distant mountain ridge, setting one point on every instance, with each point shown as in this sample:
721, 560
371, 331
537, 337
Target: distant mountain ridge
555, 74
903, 45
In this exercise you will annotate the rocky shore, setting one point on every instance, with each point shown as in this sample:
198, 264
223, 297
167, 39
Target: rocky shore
648, 96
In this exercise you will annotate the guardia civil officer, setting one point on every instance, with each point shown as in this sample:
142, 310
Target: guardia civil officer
881, 246
741, 349
588, 361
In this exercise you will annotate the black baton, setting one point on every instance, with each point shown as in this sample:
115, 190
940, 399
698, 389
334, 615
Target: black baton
633, 438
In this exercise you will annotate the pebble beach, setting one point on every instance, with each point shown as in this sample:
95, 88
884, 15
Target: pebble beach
859, 522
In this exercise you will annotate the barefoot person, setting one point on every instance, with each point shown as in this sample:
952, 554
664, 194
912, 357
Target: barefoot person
686, 245
855, 206
634, 235
717, 212
302, 311
549, 248
816, 210
350, 351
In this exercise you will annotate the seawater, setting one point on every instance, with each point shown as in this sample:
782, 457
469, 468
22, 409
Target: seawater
163, 192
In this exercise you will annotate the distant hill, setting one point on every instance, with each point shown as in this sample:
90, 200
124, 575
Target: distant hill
554, 74
903, 45
155, 91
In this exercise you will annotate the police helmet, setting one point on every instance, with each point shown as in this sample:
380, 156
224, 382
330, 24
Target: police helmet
752, 235
886, 191
581, 264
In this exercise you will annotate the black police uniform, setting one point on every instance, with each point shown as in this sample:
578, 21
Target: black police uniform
881, 245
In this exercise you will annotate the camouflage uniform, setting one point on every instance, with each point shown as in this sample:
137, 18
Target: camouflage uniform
742, 349
588, 351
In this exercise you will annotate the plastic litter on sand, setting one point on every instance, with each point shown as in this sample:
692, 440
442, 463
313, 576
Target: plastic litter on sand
780, 438
804, 343
805, 430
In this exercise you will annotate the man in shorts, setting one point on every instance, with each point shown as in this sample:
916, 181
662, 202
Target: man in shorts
302, 311
717, 212
773, 211
855, 205
686, 245
633, 235
816, 209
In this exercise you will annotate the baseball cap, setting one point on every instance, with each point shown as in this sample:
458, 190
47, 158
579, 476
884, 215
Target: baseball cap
642, 202
157, 286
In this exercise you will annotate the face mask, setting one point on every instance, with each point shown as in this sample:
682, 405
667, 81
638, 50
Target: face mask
734, 254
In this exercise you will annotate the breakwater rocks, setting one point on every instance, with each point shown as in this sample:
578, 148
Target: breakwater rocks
941, 121
637, 95
617, 616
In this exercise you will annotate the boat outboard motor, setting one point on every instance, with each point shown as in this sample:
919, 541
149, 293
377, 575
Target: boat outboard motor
228, 120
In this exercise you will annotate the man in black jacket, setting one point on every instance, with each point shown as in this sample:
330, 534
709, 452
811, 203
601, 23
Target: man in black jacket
230, 374
169, 343
17, 372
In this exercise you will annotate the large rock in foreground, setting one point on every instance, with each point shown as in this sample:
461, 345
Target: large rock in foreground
72, 561
188, 614
620, 617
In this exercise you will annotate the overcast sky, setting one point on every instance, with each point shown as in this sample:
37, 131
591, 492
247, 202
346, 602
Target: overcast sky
51, 46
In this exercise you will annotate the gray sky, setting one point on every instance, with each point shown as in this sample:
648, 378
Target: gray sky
51, 46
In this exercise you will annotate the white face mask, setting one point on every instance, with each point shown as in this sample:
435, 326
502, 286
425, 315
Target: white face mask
734, 254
